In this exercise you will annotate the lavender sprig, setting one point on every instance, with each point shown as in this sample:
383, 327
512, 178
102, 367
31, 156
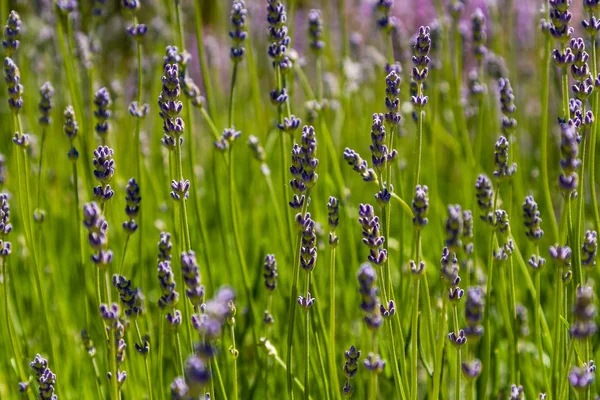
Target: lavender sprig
5, 226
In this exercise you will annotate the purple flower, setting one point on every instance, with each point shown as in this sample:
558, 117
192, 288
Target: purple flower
532, 219
278, 34
270, 274
507, 101
164, 247
371, 234
385, 21
474, 311
450, 268
12, 77
133, 299
459, 339
191, 277
368, 293
359, 165
132, 207
584, 312
12, 31
170, 107
102, 113
484, 194
315, 30
471, 370
46, 103
569, 163
5, 226
581, 378
104, 165
374, 363
308, 250
516, 392
380, 154
420, 206
479, 35
588, 249
454, 227
503, 171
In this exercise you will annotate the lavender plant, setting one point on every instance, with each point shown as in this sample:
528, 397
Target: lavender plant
433, 106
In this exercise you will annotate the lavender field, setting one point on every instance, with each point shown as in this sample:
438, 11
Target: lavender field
299, 199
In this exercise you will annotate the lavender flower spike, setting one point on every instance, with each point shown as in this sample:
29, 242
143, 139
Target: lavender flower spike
503, 170
584, 312
102, 113
12, 77
44, 377
532, 219
238, 33
368, 293
12, 31
589, 249
5, 226
46, 103
420, 206
132, 207
315, 30
270, 274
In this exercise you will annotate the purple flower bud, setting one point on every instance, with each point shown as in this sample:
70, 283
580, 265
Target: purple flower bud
12, 77
102, 112
270, 274
454, 227
562, 255
420, 206
374, 363
484, 194
588, 249
581, 378
315, 31
584, 312
306, 302
479, 35
516, 392
459, 339
46, 103
471, 370
104, 165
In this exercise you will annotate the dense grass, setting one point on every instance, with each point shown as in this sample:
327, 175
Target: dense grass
471, 92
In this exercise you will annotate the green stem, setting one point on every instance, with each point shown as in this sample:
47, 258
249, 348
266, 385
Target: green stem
231, 93
201, 56
538, 326
146, 366
419, 138
458, 349
404, 204
437, 371
556, 333
592, 141
414, 335
307, 344
219, 379
332, 365
544, 134
238, 247
14, 345
179, 352
235, 368
292, 306
161, 345
564, 384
